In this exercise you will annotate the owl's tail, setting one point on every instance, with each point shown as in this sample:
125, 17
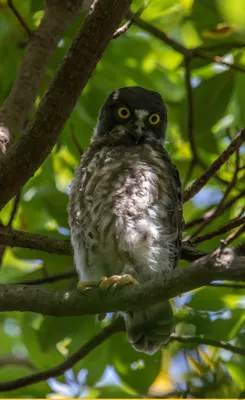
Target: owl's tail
150, 328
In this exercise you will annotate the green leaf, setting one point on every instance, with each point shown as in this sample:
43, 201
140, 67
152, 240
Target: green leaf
137, 370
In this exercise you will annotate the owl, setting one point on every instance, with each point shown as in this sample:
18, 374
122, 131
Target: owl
125, 208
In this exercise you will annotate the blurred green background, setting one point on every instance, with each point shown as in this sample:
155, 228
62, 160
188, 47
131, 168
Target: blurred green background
114, 369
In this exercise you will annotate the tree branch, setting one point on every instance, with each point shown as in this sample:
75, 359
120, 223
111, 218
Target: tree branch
209, 342
43, 131
19, 17
48, 279
217, 211
192, 190
26, 240
198, 52
223, 264
224, 229
57, 17
229, 204
116, 326
59, 369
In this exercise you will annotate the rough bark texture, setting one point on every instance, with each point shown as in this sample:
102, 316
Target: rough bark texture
223, 264
41, 45
56, 107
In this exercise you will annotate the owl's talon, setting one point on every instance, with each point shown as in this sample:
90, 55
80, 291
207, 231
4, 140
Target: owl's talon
83, 286
117, 281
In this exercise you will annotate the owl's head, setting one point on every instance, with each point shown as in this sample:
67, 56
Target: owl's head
139, 112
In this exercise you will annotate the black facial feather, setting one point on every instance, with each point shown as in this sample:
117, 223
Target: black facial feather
134, 98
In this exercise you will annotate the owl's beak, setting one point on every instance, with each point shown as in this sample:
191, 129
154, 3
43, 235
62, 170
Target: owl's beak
138, 132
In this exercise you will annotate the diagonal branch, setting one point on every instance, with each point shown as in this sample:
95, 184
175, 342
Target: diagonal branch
220, 205
116, 326
224, 229
197, 52
192, 190
223, 264
19, 17
42, 43
59, 369
225, 207
43, 131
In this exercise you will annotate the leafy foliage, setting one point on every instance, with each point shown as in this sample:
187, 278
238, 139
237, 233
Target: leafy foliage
134, 58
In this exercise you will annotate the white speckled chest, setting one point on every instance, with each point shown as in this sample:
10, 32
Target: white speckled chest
121, 211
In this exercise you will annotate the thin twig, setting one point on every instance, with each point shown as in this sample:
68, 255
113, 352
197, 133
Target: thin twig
192, 53
11, 220
224, 229
220, 205
209, 342
229, 204
14, 209
219, 60
76, 142
11, 360
19, 17
228, 285
59, 369
190, 109
235, 235
192, 190
190, 118
48, 279
123, 29
116, 326
222, 45
159, 35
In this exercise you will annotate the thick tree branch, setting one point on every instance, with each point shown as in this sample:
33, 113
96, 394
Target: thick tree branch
57, 17
192, 190
43, 131
223, 264
26, 240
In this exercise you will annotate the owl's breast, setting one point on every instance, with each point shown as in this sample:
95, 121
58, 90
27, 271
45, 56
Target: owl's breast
120, 199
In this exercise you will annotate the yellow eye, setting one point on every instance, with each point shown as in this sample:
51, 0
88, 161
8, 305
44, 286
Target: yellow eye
154, 119
123, 112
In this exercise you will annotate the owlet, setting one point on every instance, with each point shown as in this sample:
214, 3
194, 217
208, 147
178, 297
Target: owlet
125, 209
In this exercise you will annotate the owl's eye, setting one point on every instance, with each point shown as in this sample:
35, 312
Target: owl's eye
123, 112
154, 119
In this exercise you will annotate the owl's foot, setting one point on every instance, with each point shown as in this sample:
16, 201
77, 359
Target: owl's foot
117, 281
83, 286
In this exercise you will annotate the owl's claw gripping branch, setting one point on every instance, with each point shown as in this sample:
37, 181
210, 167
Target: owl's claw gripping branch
83, 286
117, 281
